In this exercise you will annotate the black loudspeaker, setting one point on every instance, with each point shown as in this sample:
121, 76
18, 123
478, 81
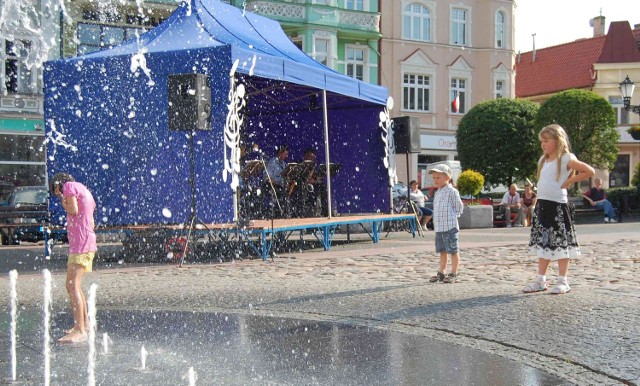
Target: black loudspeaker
406, 134
189, 102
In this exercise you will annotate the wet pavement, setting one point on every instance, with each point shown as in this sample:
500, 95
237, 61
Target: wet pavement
242, 349
472, 329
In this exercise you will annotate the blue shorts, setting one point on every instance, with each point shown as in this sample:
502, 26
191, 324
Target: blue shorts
424, 211
447, 241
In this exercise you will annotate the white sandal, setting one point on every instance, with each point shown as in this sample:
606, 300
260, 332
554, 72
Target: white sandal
560, 288
536, 286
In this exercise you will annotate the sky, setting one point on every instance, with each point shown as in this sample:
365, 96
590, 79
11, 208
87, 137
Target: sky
562, 21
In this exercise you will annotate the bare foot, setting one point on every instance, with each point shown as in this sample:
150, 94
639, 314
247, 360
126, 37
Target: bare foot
75, 328
73, 337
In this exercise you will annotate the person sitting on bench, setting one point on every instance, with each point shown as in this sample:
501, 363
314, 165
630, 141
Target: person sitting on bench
424, 213
598, 200
511, 202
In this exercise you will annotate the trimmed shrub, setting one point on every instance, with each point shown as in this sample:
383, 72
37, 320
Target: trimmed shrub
470, 182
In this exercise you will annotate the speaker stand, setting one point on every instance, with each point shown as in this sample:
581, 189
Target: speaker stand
193, 219
410, 206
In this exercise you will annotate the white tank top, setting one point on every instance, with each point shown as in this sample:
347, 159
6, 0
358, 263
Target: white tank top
548, 187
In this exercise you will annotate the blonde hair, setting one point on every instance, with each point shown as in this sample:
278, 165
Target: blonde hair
557, 133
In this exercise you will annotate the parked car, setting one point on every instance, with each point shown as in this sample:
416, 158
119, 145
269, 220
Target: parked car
23, 217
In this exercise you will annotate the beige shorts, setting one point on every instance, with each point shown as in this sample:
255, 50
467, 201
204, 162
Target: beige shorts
83, 259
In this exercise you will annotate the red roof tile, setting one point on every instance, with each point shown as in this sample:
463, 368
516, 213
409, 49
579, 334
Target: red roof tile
617, 47
558, 68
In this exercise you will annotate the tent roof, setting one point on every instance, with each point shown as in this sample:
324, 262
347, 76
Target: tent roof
258, 43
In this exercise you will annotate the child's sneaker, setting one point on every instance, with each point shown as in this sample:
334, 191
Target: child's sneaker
536, 286
451, 278
560, 288
438, 277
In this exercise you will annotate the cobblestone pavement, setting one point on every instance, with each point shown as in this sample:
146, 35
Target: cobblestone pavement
589, 336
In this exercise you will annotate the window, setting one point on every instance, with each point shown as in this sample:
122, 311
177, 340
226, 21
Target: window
459, 26
416, 92
622, 115
22, 159
416, 22
321, 51
458, 96
95, 37
355, 62
498, 92
356, 5
619, 176
298, 43
500, 30
18, 76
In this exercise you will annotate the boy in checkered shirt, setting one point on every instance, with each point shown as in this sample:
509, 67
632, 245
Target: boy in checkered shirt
447, 207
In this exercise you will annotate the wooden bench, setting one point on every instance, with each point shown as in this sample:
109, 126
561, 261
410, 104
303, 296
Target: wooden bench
586, 214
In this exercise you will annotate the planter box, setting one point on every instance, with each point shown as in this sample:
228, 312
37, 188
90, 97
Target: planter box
476, 216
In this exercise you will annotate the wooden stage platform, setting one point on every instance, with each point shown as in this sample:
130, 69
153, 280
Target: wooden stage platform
261, 235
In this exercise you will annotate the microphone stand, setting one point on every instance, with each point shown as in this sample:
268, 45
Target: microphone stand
273, 189
275, 195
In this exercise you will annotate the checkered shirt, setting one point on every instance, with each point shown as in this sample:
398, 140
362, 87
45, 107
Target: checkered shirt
447, 207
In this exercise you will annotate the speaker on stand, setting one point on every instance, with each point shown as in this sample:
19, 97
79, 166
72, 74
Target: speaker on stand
189, 109
406, 137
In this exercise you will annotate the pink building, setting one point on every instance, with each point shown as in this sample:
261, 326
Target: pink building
436, 52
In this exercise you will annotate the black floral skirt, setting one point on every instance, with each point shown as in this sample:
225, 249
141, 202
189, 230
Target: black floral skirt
553, 235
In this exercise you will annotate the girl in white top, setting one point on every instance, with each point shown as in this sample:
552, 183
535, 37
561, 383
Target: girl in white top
553, 236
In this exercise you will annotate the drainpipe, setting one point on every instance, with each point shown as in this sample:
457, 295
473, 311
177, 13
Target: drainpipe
380, 44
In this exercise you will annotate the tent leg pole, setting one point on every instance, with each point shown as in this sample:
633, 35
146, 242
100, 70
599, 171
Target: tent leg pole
326, 151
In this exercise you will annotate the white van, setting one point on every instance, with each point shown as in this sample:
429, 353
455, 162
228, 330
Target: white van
426, 179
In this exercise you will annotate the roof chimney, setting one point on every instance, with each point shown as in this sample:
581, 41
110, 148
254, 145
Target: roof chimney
533, 52
598, 25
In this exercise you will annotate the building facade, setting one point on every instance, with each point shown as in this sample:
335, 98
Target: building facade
39, 30
438, 60
341, 34
22, 156
597, 64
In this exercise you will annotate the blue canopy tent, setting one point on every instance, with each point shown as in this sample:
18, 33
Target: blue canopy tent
106, 118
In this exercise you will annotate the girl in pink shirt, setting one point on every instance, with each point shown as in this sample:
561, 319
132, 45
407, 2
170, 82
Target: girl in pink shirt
79, 205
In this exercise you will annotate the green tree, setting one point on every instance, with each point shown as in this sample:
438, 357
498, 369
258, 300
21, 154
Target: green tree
590, 123
498, 138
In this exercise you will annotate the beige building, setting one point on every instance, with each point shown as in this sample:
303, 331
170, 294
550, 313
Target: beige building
598, 63
435, 52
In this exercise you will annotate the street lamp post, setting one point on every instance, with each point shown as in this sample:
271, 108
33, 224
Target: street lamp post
626, 89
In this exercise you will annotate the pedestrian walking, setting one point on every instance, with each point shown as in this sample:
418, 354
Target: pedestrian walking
79, 206
447, 207
553, 236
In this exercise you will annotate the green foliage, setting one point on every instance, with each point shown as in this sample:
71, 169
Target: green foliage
635, 181
498, 138
616, 195
470, 182
590, 122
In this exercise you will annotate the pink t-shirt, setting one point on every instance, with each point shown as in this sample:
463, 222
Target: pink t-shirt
82, 238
